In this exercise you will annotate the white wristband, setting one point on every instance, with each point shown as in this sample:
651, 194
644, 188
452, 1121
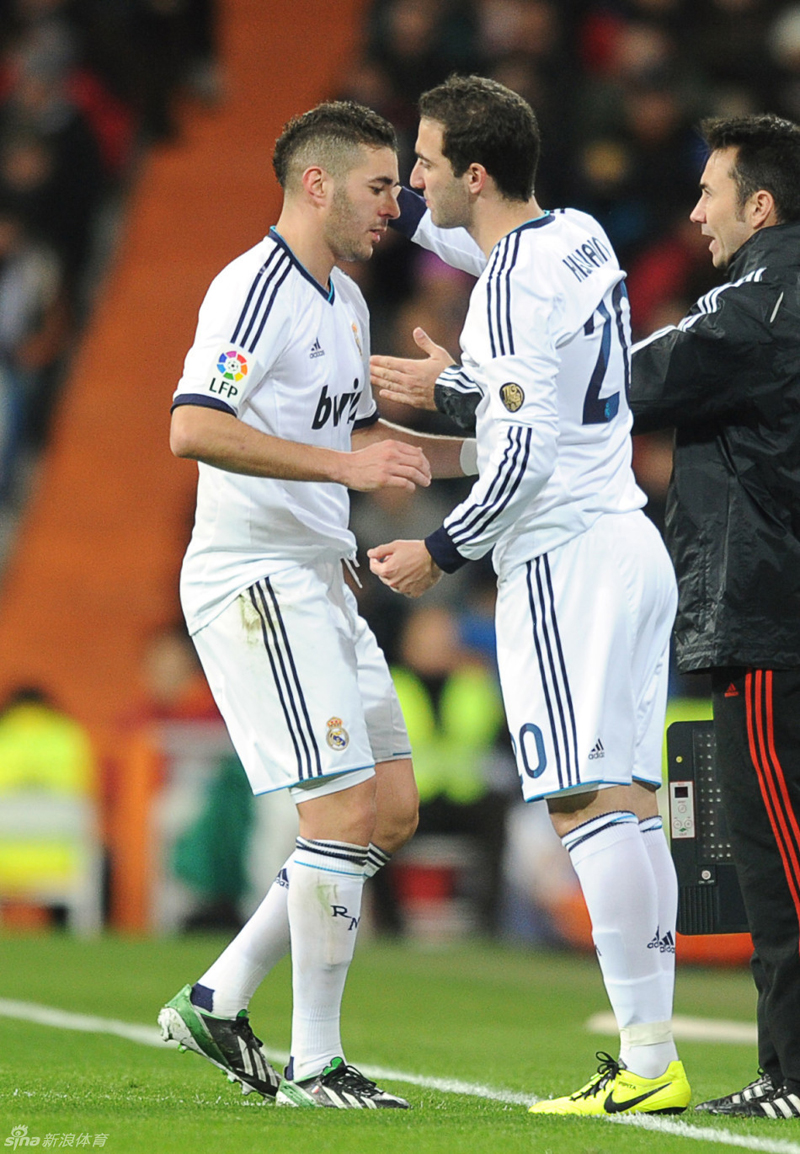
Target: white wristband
469, 457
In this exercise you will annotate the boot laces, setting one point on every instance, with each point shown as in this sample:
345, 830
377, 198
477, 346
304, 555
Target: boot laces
350, 1078
606, 1073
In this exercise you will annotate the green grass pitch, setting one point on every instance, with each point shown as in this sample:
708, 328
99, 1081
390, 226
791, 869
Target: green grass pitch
507, 1019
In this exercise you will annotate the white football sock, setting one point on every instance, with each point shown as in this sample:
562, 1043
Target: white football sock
324, 911
655, 842
260, 944
376, 860
619, 887
241, 968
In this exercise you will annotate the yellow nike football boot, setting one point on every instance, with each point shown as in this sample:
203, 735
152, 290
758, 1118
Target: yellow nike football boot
615, 1090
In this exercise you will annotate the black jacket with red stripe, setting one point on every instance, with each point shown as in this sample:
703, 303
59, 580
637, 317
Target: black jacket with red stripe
728, 380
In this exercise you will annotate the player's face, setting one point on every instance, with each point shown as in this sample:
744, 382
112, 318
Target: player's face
364, 202
718, 211
445, 193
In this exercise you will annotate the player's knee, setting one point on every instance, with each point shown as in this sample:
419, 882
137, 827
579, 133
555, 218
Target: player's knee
397, 826
403, 829
357, 822
347, 815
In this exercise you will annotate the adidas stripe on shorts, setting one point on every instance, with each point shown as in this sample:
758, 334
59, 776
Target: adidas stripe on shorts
302, 683
583, 650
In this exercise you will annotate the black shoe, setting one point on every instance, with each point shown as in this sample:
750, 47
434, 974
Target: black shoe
227, 1042
341, 1086
761, 1087
781, 1103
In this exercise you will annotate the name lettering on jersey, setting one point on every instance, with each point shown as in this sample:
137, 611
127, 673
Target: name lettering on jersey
512, 396
585, 259
333, 408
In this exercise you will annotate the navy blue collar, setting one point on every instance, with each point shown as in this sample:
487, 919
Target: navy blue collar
537, 222
329, 293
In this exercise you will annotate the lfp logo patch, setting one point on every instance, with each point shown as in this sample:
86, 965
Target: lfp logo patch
232, 366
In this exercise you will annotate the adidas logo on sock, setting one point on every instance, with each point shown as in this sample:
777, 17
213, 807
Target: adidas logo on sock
597, 751
317, 349
665, 945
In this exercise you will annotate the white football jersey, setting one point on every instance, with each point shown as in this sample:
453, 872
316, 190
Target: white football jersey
546, 344
289, 358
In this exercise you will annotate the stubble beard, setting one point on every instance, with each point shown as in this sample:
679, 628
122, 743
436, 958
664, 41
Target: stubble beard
343, 233
452, 211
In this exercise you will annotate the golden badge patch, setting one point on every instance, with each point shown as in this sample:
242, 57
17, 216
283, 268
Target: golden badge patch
512, 396
337, 736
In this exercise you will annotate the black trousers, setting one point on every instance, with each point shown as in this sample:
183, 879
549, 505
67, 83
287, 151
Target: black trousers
757, 732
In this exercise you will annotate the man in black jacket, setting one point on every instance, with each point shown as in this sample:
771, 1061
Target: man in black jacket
728, 379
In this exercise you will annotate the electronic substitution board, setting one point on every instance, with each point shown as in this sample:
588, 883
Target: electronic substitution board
710, 901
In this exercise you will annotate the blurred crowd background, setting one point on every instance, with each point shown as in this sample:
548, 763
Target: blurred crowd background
619, 86
85, 86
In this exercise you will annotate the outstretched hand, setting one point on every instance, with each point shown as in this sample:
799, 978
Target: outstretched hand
405, 566
410, 381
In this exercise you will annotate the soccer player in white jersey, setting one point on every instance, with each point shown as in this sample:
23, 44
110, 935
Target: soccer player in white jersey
586, 592
275, 404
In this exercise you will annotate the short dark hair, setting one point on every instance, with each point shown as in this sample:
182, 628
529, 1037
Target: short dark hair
484, 122
768, 157
329, 135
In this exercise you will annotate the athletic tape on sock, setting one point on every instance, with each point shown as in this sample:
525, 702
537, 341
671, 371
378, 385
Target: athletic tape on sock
645, 1034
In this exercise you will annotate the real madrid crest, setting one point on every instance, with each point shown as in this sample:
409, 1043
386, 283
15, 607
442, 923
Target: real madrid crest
358, 342
512, 396
337, 736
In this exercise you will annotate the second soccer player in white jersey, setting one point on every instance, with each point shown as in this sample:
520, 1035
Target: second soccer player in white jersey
586, 592
275, 404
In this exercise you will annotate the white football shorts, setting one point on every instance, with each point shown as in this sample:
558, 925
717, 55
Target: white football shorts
583, 650
303, 687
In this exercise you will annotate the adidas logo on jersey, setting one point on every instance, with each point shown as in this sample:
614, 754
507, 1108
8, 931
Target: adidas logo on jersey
598, 751
317, 349
731, 691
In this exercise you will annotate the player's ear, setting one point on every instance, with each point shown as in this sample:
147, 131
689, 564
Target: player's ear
317, 183
476, 178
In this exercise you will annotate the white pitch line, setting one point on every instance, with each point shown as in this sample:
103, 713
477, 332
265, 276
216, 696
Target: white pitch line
151, 1036
453, 1086
707, 1134
64, 1020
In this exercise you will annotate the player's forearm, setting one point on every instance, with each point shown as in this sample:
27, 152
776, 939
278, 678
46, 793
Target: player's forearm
443, 453
518, 469
222, 440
